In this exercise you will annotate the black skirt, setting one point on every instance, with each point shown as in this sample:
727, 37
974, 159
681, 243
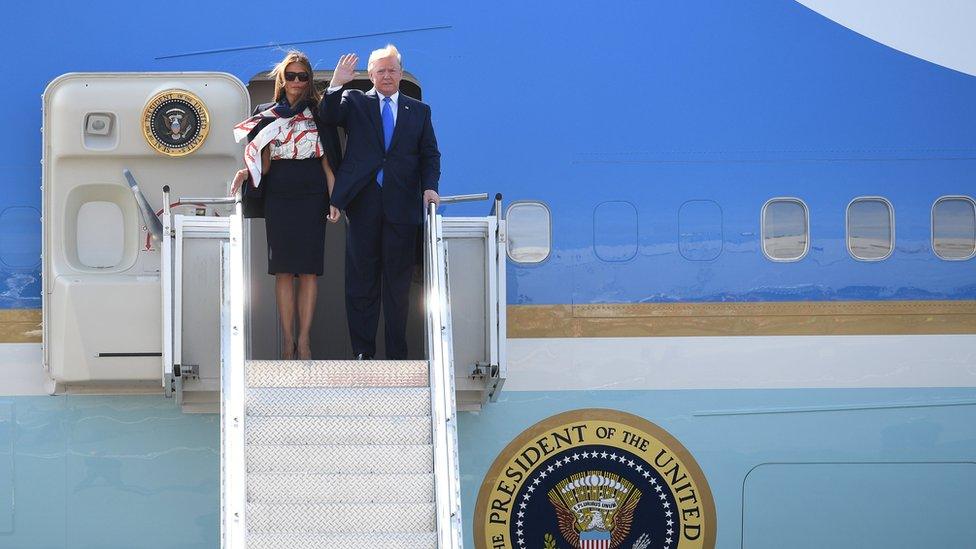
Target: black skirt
296, 204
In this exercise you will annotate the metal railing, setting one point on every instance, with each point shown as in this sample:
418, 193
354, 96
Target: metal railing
443, 415
233, 465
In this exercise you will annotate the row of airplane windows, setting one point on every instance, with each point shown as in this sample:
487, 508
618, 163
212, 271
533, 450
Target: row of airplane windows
785, 229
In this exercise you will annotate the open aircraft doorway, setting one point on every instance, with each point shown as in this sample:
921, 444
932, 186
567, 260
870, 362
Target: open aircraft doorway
330, 333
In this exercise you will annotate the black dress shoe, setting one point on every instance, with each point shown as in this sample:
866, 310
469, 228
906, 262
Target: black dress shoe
363, 356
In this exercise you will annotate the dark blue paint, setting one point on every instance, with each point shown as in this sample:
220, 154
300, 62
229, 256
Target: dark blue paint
653, 103
615, 231
700, 230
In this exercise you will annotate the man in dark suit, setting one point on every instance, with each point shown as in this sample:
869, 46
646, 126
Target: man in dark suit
388, 175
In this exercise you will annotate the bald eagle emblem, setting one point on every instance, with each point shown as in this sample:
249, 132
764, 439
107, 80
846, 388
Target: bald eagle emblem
594, 509
178, 123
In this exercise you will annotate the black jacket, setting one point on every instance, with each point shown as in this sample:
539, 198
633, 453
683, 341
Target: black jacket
411, 166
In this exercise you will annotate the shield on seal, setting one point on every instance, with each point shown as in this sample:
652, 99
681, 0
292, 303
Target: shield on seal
595, 539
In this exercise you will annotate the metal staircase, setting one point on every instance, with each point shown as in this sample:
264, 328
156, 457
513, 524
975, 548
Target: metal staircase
353, 454
350, 454
339, 454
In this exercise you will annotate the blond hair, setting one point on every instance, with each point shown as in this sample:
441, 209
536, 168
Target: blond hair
382, 53
278, 73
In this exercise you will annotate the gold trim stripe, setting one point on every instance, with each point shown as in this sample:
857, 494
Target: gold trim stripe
20, 325
743, 319
683, 319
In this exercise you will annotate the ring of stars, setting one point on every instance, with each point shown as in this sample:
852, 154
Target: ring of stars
644, 472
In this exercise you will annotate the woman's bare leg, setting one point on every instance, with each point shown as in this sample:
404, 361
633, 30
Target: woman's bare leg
285, 293
308, 289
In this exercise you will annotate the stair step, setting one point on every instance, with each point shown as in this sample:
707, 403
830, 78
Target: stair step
331, 458
337, 373
338, 430
395, 540
344, 518
358, 401
318, 488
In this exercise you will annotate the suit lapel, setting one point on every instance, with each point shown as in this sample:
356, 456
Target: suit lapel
403, 117
373, 108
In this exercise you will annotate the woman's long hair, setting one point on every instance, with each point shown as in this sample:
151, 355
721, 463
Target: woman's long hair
278, 73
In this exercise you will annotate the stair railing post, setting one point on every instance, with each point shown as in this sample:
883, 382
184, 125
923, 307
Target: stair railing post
233, 474
443, 414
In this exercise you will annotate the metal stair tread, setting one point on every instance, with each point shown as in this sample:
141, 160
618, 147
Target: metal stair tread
340, 458
338, 401
337, 373
340, 517
340, 488
302, 540
338, 430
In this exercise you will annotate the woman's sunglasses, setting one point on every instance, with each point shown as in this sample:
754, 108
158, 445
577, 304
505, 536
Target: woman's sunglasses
301, 76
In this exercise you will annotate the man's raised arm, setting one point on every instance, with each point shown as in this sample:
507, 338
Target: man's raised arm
332, 109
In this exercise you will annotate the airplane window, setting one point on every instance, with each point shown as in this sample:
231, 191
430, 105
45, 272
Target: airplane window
870, 228
615, 231
954, 227
20, 237
100, 234
785, 229
700, 230
529, 232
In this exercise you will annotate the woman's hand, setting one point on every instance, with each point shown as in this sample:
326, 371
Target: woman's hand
239, 179
334, 214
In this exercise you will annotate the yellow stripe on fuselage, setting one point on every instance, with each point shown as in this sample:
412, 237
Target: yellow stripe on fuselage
683, 319
743, 319
20, 325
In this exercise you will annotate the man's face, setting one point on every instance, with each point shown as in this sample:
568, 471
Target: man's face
385, 75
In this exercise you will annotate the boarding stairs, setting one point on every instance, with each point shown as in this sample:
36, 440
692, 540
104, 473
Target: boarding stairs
340, 454
352, 454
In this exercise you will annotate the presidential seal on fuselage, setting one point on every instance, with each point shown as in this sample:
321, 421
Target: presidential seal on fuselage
175, 122
595, 479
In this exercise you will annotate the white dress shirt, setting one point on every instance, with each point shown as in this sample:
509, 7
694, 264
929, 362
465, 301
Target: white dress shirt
393, 100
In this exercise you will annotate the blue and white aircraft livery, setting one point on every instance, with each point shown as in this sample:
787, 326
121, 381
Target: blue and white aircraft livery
739, 291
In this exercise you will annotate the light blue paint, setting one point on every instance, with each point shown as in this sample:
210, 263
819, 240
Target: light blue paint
856, 505
6, 467
858, 426
111, 473
123, 472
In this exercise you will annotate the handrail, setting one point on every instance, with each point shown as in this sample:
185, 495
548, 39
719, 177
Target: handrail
233, 482
166, 286
443, 415
209, 200
463, 198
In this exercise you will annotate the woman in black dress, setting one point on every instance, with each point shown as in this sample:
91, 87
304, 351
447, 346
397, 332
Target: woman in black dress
292, 162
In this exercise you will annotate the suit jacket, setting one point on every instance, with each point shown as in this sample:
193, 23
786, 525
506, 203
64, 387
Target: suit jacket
411, 166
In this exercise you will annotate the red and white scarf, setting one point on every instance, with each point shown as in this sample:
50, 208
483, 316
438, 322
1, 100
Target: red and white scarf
292, 134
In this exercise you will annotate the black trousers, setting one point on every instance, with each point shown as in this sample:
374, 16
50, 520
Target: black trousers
379, 260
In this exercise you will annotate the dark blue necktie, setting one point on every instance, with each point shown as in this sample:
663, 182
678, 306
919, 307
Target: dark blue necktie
387, 132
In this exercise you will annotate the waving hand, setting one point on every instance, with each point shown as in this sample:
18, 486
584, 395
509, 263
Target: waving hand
345, 70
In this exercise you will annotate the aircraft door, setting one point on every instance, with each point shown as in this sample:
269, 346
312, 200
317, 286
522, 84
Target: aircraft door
102, 307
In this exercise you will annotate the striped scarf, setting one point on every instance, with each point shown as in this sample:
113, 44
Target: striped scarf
278, 121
